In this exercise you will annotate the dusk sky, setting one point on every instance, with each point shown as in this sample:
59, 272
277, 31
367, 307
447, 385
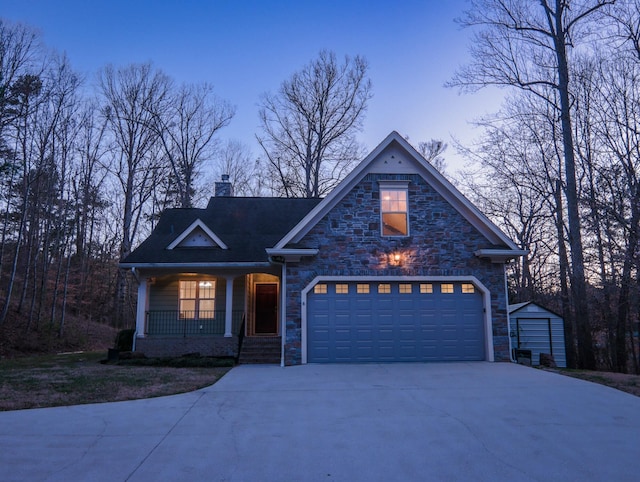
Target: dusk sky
246, 48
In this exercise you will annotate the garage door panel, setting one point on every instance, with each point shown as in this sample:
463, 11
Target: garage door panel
362, 303
363, 335
384, 302
402, 325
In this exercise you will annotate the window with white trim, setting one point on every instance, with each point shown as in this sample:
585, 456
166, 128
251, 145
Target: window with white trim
197, 299
394, 211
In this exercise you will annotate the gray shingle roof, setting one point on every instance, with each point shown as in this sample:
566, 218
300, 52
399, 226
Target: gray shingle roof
247, 226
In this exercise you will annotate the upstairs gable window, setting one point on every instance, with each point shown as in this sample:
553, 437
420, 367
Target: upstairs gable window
394, 211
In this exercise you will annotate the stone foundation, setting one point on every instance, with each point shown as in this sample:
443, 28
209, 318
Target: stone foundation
163, 346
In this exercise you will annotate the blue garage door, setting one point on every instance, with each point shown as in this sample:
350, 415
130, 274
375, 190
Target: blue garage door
392, 321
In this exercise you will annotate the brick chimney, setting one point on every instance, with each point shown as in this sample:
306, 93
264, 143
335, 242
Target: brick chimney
224, 188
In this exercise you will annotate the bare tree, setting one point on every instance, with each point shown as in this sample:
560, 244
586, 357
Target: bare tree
20, 86
618, 116
186, 127
129, 96
236, 160
433, 150
526, 45
309, 126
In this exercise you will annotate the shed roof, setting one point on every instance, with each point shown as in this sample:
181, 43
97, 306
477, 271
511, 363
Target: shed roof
519, 306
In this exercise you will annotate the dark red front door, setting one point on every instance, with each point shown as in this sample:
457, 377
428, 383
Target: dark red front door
266, 308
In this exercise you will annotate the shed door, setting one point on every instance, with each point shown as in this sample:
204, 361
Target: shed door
534, 334
389, 322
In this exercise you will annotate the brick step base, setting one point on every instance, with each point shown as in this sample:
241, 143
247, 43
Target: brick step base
260, 350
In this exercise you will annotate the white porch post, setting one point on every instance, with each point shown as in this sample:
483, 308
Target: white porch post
228, 313
142, 307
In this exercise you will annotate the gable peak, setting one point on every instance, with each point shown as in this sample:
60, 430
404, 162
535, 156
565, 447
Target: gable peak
197, 235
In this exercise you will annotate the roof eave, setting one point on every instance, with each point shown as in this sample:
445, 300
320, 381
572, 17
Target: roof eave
290, 254
230, 264
501, 255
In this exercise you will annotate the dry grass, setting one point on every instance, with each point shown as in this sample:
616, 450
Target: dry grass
79, 378
625, 382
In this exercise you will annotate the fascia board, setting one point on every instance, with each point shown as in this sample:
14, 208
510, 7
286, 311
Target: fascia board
517, 307
291, 254
471, 213
239, 264
500, 255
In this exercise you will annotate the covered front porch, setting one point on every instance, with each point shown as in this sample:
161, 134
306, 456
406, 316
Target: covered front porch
207, 312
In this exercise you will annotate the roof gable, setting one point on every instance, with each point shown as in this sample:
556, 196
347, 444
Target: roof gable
197, 235
531, 308
395, 155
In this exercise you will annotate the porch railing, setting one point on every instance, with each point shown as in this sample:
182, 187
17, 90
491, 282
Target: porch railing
190, 323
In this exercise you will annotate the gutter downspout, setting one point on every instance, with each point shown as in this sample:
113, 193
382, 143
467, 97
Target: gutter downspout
506, 294
134, 272
283, 305
135, 332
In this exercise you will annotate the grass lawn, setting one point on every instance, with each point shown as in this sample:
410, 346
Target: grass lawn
78, 378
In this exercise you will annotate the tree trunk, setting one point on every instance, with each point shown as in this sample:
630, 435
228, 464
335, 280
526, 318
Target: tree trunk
569, 321
622, 319
586, 358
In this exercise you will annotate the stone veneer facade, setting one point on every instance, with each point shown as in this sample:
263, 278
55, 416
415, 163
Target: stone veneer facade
441, 242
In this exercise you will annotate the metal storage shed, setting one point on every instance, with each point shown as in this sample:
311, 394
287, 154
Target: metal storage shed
535, 328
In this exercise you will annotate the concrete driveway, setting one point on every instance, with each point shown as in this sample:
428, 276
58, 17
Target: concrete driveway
395, 422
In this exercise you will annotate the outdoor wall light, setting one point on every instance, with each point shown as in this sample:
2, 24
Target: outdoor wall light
394, 258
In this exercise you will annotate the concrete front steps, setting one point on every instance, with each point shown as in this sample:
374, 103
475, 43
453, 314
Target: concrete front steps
260, 350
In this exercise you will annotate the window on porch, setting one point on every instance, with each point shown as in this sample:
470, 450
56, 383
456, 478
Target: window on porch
197, 299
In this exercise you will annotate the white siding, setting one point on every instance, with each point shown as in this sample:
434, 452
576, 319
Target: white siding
530, 325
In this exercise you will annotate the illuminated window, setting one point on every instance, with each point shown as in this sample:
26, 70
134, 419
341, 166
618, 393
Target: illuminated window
384, 288
342, 289
446, 288
393, 208
404, 288
320, 289
426, 288
197, 299
468, 288
362, 288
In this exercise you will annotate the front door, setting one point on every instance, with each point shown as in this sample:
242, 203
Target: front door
266, 320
